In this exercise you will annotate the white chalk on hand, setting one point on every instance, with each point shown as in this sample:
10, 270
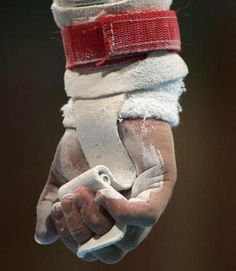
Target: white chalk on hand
96, 179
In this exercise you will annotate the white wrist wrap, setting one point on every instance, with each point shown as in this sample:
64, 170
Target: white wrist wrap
147, 74
70, 12
152, 86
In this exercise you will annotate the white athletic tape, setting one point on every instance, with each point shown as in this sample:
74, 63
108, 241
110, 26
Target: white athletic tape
147, 74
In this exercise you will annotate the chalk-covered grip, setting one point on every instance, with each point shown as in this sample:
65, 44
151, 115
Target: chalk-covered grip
95, 179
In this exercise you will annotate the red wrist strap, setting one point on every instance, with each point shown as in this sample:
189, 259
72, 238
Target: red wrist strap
120, 37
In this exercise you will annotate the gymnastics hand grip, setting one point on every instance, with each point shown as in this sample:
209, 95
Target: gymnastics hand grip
95, 179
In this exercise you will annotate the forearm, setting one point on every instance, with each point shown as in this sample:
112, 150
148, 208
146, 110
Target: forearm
69, 12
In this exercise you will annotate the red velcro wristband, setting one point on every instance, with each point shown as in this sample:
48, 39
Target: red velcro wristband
120, 37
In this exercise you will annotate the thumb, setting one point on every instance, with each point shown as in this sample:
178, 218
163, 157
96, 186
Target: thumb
135, 212
45, 231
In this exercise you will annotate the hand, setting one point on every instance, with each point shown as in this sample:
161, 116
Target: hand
68, 162
69, 220
150, 146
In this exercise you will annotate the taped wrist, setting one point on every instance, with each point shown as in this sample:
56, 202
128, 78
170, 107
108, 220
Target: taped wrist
152, 86
162, 103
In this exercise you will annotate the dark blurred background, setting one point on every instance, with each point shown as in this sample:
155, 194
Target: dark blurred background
198, 230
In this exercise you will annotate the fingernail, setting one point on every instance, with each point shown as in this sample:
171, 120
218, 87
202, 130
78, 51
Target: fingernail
67, 207
57, 211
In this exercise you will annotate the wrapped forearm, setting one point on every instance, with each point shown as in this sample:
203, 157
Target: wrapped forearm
159, 104
148, 88
69, 12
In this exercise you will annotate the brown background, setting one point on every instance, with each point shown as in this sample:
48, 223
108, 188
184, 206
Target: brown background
198, 230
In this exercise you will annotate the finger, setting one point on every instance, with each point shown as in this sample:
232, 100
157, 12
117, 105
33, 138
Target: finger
110, 255
90, 258
94, 216
124, 211
150, 178
143, 211
62, 229
77, 229
133, 237
64, 233
45, 232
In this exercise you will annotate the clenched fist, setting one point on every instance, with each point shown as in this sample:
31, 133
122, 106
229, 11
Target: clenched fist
83, 214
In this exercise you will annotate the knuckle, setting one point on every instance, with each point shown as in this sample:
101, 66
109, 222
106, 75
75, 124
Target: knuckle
95, 221
56, 212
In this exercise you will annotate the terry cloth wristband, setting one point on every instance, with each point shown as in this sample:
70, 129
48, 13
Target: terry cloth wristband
120, 37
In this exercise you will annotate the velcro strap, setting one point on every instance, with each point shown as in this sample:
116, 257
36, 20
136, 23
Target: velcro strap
120, 37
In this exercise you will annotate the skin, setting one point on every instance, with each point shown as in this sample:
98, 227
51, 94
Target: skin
82, 214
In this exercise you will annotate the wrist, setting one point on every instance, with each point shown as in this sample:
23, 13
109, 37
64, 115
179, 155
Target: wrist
70, 12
